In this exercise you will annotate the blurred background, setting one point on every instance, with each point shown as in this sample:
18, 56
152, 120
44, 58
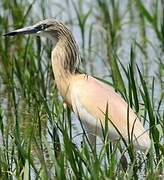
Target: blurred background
121, 43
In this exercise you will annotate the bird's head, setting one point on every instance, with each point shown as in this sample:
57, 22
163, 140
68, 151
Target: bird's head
50, 28
55, 31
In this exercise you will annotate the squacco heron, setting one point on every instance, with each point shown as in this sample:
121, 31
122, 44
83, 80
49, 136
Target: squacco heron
88, 97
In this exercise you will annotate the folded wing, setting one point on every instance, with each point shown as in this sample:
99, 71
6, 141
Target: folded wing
90, 99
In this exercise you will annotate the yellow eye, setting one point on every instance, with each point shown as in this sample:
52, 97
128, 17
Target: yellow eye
41, 27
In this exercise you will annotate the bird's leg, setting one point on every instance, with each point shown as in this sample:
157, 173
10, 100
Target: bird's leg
92, 139
123, 160
91, 133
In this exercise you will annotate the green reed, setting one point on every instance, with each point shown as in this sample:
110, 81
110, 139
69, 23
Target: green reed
36, 129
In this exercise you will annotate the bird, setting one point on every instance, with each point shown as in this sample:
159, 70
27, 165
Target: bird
89, 98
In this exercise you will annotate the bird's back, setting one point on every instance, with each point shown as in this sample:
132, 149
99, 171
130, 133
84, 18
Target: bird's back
90, 99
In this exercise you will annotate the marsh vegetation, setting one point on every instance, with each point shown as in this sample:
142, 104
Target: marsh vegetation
121, 43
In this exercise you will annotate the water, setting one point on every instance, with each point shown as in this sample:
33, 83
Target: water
97, 64
129, 34
96, 61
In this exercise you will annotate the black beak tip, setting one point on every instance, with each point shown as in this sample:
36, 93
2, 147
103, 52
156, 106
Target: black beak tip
10, 34
4, 34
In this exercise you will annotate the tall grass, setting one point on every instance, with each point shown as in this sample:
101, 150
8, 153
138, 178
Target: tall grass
37, 132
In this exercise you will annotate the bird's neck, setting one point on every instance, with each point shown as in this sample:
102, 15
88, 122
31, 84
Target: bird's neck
61, 69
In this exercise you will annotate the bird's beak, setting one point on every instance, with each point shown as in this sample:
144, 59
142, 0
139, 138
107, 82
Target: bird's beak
26, 30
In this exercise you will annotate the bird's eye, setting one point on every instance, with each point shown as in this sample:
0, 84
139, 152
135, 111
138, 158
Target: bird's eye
41, 27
